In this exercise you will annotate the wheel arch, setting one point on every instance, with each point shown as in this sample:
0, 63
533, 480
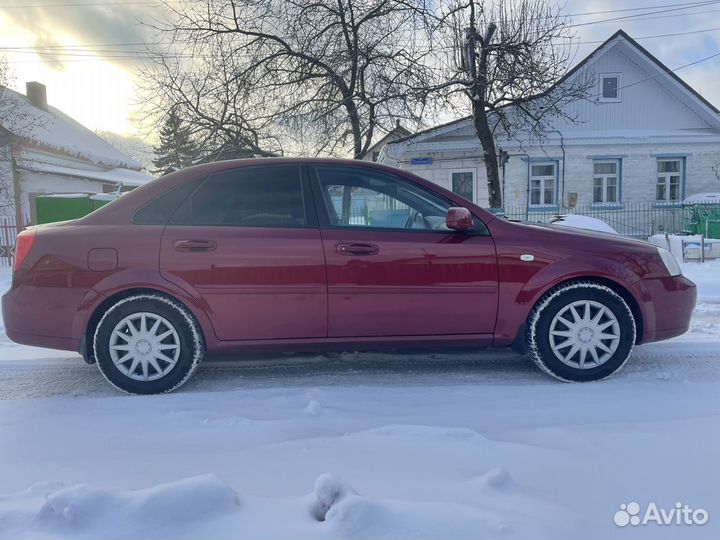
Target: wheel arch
622, 291
86, 343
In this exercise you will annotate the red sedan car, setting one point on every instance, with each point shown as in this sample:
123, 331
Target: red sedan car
292, 254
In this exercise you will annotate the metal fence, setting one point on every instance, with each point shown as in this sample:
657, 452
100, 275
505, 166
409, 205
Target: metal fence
639, 220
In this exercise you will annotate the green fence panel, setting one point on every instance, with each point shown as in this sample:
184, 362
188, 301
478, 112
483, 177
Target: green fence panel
51, 209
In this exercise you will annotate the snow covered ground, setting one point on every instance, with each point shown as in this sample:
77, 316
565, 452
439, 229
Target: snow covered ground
462, 445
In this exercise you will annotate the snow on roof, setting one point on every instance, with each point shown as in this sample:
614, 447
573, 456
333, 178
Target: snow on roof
118, 175
54, 129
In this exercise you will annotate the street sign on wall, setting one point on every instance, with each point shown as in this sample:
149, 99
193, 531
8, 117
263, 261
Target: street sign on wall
421, 161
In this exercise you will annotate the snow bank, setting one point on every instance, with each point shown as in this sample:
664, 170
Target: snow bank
50, 509
707, 278
583, 222
205, 506
687, 247
5, 282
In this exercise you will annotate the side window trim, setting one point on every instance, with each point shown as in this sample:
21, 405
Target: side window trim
325, 221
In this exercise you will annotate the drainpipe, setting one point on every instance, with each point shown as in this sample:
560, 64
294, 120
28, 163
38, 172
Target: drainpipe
561, 202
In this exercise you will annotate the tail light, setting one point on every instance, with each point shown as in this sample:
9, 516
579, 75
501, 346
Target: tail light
25, 241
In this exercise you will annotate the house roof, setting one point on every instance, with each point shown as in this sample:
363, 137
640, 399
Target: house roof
118, 175
620, 34
398, 131
54, 130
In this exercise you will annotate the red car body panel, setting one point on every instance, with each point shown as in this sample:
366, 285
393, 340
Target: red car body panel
291, 289
446, 284
258, 283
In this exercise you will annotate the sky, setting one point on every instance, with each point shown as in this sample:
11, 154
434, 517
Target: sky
84, 51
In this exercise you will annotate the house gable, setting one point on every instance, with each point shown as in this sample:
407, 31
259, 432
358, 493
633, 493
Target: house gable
653, 99
651, 96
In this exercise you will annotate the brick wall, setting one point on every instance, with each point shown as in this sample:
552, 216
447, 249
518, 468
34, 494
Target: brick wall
638, 178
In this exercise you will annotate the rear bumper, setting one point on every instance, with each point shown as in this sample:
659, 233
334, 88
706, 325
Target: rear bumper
668, 306
47, 342
34, 317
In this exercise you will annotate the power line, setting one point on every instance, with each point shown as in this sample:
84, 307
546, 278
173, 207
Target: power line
687, 4
92, 4
639, 38
639, 16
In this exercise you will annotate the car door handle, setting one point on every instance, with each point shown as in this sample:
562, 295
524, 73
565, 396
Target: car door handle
195, 245
357, 249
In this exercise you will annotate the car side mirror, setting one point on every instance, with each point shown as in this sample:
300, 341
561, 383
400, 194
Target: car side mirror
459, 219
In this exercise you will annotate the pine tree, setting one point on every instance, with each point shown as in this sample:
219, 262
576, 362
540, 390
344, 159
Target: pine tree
176, 149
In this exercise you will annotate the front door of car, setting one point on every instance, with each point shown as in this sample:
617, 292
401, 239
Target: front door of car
247, 243
393, 267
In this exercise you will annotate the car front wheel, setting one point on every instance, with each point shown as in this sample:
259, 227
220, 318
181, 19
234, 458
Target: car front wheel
148, 344
581, 332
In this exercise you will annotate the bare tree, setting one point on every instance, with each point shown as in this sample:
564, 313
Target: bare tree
331, 73
205, 88
12, 119
509, 57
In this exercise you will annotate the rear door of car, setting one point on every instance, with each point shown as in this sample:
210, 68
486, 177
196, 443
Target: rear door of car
393, 267
247, 242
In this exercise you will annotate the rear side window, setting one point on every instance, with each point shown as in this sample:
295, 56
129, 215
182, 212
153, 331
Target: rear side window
247, 197
160, 210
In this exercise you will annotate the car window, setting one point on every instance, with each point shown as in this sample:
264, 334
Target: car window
360, 197
160, 210
247, 197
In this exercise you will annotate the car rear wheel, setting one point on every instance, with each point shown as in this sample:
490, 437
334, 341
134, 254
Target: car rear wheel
148, 344
581, 332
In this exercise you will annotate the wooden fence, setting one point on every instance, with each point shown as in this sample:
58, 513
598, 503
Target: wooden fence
8, 237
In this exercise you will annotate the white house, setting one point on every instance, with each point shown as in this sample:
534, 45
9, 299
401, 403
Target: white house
44, 151
645, 137
398, 132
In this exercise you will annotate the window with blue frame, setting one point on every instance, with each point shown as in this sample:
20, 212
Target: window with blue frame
543, 183
606, 181
669, 180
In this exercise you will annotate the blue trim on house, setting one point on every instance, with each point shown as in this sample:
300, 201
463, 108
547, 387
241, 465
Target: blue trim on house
667, 204
607, 206
544, 207
611, 156
670, 155
683, 177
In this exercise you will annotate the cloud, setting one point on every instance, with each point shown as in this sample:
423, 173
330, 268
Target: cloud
45, 41
96, 29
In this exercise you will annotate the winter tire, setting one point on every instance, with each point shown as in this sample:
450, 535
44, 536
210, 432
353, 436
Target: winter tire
148, 344
581, 332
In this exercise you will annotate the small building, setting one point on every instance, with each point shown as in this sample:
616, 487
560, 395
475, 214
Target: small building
645, 136
43, 151
398, 132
